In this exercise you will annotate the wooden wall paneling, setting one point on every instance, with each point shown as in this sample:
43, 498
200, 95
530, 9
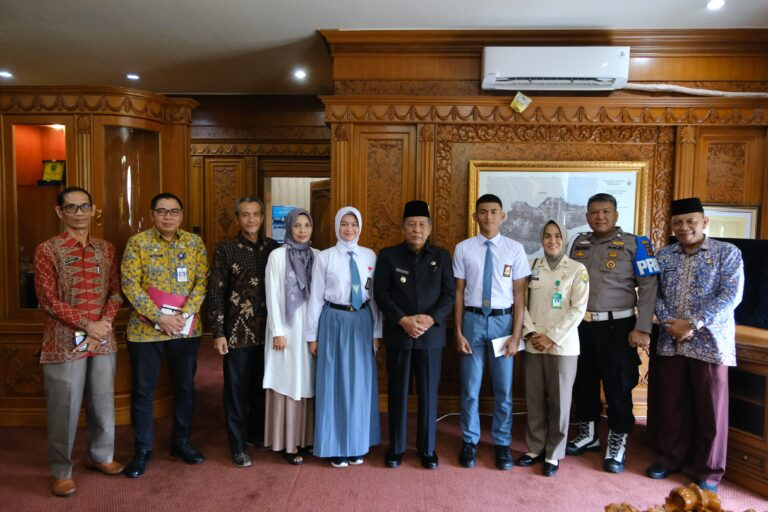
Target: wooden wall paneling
225, 182
685, 161
730, 164
425, 166
341, 167
383, 169
82, 166
195, 210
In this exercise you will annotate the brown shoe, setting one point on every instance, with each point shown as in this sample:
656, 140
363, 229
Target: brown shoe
108, 468
62, 487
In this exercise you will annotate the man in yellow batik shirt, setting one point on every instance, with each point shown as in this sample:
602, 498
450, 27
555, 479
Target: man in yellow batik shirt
164, 276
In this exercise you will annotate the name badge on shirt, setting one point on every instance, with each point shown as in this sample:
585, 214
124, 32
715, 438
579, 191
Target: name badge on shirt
507, 270
181, 275
557, 300
368, 283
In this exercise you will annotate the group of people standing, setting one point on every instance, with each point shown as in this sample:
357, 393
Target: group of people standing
299, 330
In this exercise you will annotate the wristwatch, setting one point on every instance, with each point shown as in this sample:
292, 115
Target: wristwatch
693, 325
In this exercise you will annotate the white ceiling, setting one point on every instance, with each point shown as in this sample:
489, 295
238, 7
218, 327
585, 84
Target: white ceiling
252, 46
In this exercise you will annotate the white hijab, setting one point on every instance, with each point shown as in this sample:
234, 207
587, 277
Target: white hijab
342, 244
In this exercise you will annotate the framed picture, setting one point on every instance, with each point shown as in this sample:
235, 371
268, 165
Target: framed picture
732, 221
534, 192
53, 170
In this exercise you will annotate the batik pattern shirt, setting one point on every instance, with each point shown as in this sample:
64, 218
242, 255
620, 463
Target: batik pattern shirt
704, 288
75, 285
237, 298
150, 261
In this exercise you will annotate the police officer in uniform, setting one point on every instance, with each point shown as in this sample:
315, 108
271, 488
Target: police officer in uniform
414, 289
618, 321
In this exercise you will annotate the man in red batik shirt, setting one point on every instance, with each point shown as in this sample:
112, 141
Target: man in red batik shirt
78, 288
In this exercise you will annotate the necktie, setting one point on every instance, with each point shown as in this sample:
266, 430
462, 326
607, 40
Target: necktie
356, 295
487, 278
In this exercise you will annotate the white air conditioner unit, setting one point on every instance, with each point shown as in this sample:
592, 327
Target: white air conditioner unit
555, 68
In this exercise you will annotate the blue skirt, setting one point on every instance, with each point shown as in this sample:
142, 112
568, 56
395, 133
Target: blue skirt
347, 390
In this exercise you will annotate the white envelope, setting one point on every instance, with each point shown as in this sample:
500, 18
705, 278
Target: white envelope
498, 345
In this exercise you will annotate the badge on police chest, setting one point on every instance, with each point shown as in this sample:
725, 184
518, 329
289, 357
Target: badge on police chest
507, 270
181, 274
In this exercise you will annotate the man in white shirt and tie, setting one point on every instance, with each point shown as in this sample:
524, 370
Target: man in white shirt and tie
490, 271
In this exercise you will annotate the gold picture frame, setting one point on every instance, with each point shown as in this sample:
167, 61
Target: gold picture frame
732, 220
532, 190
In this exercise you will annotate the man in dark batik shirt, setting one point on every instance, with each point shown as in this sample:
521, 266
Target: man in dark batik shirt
238, 315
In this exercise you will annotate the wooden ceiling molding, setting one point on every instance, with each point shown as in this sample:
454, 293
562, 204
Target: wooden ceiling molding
631, 110
265, 149
96, 100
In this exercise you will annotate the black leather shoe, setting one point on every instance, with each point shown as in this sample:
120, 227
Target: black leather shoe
526, 460
393, 460
549, 469
613, 465
659, 471
138, 464
429, 460
468, 456
186, 452
503, 457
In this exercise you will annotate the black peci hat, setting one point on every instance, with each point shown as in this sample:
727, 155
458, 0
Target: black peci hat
687, 205
416, 209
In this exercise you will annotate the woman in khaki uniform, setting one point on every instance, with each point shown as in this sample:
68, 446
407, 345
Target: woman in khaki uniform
555, 304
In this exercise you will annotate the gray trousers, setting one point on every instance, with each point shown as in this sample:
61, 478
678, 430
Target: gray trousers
548, 386
64, 386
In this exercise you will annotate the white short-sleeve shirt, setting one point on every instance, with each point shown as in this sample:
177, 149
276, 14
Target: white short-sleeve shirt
509, 264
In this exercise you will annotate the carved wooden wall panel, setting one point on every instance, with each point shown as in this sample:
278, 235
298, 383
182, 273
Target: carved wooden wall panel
383, 172
730, 164
225, 182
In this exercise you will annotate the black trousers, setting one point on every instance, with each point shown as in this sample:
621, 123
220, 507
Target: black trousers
244, 396
146, 359
426, 367
606, 357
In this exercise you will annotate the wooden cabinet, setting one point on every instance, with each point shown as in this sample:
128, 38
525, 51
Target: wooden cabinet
748, 419
122, 145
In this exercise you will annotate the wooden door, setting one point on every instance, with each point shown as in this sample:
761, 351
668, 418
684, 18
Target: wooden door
320, 201
225, 182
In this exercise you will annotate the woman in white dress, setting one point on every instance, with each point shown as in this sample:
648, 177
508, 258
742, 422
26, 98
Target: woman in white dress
289, 368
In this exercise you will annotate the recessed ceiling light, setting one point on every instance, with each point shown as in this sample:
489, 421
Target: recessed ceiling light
714, 5
300, 74
132, 76
6, 74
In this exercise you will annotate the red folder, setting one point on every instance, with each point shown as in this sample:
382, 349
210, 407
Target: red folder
170, 301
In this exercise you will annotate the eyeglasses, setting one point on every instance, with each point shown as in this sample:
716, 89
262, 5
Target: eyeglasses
173, 212
73, 208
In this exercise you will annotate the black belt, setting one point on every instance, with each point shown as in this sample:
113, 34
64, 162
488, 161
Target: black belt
345, 307
494, 312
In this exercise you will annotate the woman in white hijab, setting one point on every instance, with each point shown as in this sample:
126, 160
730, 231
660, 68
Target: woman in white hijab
556, 300
344, 331
289, 369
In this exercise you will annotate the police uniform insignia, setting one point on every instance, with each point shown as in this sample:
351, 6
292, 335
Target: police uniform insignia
610, 264
579, 254
618, 243
612, 254
645, 263
585, 277
486, 303
584, 242
402, 279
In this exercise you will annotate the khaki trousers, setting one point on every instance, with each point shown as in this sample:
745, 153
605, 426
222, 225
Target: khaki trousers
65, 384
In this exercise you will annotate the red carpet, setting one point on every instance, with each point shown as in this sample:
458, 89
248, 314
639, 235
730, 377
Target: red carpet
273, 485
